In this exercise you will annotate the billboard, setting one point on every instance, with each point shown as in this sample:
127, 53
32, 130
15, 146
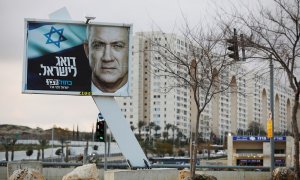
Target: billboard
75, 58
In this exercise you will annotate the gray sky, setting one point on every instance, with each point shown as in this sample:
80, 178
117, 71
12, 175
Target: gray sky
65, 111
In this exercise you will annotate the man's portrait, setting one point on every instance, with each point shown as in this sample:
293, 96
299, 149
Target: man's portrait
107, 49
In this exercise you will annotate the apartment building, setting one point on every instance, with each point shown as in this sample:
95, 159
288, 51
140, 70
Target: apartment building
153, 100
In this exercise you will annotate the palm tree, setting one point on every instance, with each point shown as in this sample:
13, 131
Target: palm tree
151, 126
141, 124
12, 146
5, 143
165, 135
173, 130
43, 145
156, 128
167, 127
9, 144
179, 136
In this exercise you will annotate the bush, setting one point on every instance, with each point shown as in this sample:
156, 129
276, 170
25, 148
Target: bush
58, 152
180, 152
164, 148
29, 152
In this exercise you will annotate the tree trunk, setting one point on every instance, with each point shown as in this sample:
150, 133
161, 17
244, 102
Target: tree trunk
12, 153
38, 155
296, 135
67, 154
6, 154
42, 154
194, 148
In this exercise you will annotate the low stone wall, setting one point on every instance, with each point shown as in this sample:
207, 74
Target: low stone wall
238, 175
3, 172
155, 174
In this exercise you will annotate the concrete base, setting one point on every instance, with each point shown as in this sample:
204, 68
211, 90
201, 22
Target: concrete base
143, 174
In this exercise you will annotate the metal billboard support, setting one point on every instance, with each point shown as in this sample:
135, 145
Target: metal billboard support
122, 132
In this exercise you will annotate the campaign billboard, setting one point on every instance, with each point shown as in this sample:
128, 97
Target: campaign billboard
74, 58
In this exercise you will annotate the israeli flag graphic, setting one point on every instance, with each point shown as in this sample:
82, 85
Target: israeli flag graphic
56, 60
44, 38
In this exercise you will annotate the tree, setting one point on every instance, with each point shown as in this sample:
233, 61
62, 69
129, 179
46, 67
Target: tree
12, 147
43, 144
165, 135
156, 129
174, 128
273, 33
200, 66
9, 144
29, 152
167, 127
38, 154
77, 133
141, 124
179, 136
151, 125
58, 152
5, 143
256, 128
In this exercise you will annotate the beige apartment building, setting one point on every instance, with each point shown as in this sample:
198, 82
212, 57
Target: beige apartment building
151, 101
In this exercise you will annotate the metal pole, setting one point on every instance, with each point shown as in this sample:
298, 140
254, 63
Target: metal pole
109, 143
52, 143
105, 148
272, 111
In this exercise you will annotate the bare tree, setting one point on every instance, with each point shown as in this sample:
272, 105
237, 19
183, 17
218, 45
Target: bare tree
275, 30
200, 66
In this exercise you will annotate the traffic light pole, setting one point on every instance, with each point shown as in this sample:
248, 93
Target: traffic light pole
272, 146
105, 149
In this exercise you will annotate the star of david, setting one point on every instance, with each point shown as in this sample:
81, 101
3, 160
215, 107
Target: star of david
55, 36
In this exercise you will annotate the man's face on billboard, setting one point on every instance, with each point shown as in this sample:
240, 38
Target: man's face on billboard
107, 50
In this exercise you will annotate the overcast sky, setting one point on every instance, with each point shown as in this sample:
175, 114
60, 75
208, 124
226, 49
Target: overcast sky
67, 111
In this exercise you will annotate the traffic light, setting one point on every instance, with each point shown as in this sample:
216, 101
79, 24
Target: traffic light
234, 48
100, 131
